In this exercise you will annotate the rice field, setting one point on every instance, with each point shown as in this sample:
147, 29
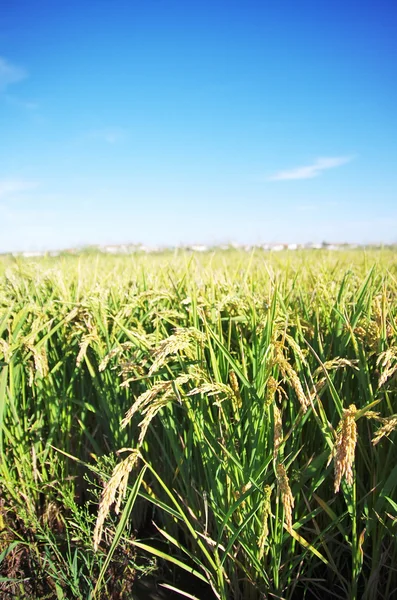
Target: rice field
214, 426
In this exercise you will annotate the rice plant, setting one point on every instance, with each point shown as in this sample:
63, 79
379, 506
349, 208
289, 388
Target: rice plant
221, 425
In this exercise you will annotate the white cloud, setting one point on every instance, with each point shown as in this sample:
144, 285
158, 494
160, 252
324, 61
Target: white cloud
317, 206
313, 170
10, 74
305, 207
110, 135
14, 186
19, 103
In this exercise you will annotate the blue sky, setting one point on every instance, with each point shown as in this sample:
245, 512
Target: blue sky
167, 122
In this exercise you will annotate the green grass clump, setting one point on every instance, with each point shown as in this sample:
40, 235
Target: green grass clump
221, 425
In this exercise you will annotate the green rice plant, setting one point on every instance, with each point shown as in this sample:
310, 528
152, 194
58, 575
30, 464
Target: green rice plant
259, 393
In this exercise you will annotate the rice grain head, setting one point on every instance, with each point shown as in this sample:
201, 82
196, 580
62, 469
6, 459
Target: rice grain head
149, 412
271, 388
40, 360
114, 352
388, 361
236, 389
117, 484
345, 446
5, 350
212, 389
290, 374
145, 399
278, 430
150, 402
389, 425
337, 363
181, 341
86, 341
286, 494
266, 512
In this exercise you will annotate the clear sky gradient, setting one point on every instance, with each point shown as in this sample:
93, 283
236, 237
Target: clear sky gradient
174, 121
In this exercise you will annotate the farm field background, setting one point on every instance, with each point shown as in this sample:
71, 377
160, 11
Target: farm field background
219, 424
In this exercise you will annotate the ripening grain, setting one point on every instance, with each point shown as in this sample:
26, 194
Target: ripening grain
255, 397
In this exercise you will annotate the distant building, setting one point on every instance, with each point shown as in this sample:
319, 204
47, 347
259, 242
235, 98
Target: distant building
32, 254
199, 248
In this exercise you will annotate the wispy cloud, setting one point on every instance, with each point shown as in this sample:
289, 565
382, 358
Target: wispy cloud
318, 206
10, 74
110, 135
19, 103
307, 207
313, 170
14, 186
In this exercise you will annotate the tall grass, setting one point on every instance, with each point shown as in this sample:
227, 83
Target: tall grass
237, 411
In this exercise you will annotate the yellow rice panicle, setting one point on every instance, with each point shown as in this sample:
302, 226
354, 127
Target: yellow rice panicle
345, 446
180, 341
117, 485
271, 388
290, 374
236, 389
389, 425
388, 361
286, 494
278, 430
146, 398
266, 512
150, 402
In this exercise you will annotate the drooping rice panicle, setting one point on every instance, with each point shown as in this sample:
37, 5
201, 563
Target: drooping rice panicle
290, 374
286, 494
389, 425
278, 430
266, 512
116, 486
345, 446
180, 341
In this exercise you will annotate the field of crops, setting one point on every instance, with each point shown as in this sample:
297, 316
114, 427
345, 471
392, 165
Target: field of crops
222, 425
